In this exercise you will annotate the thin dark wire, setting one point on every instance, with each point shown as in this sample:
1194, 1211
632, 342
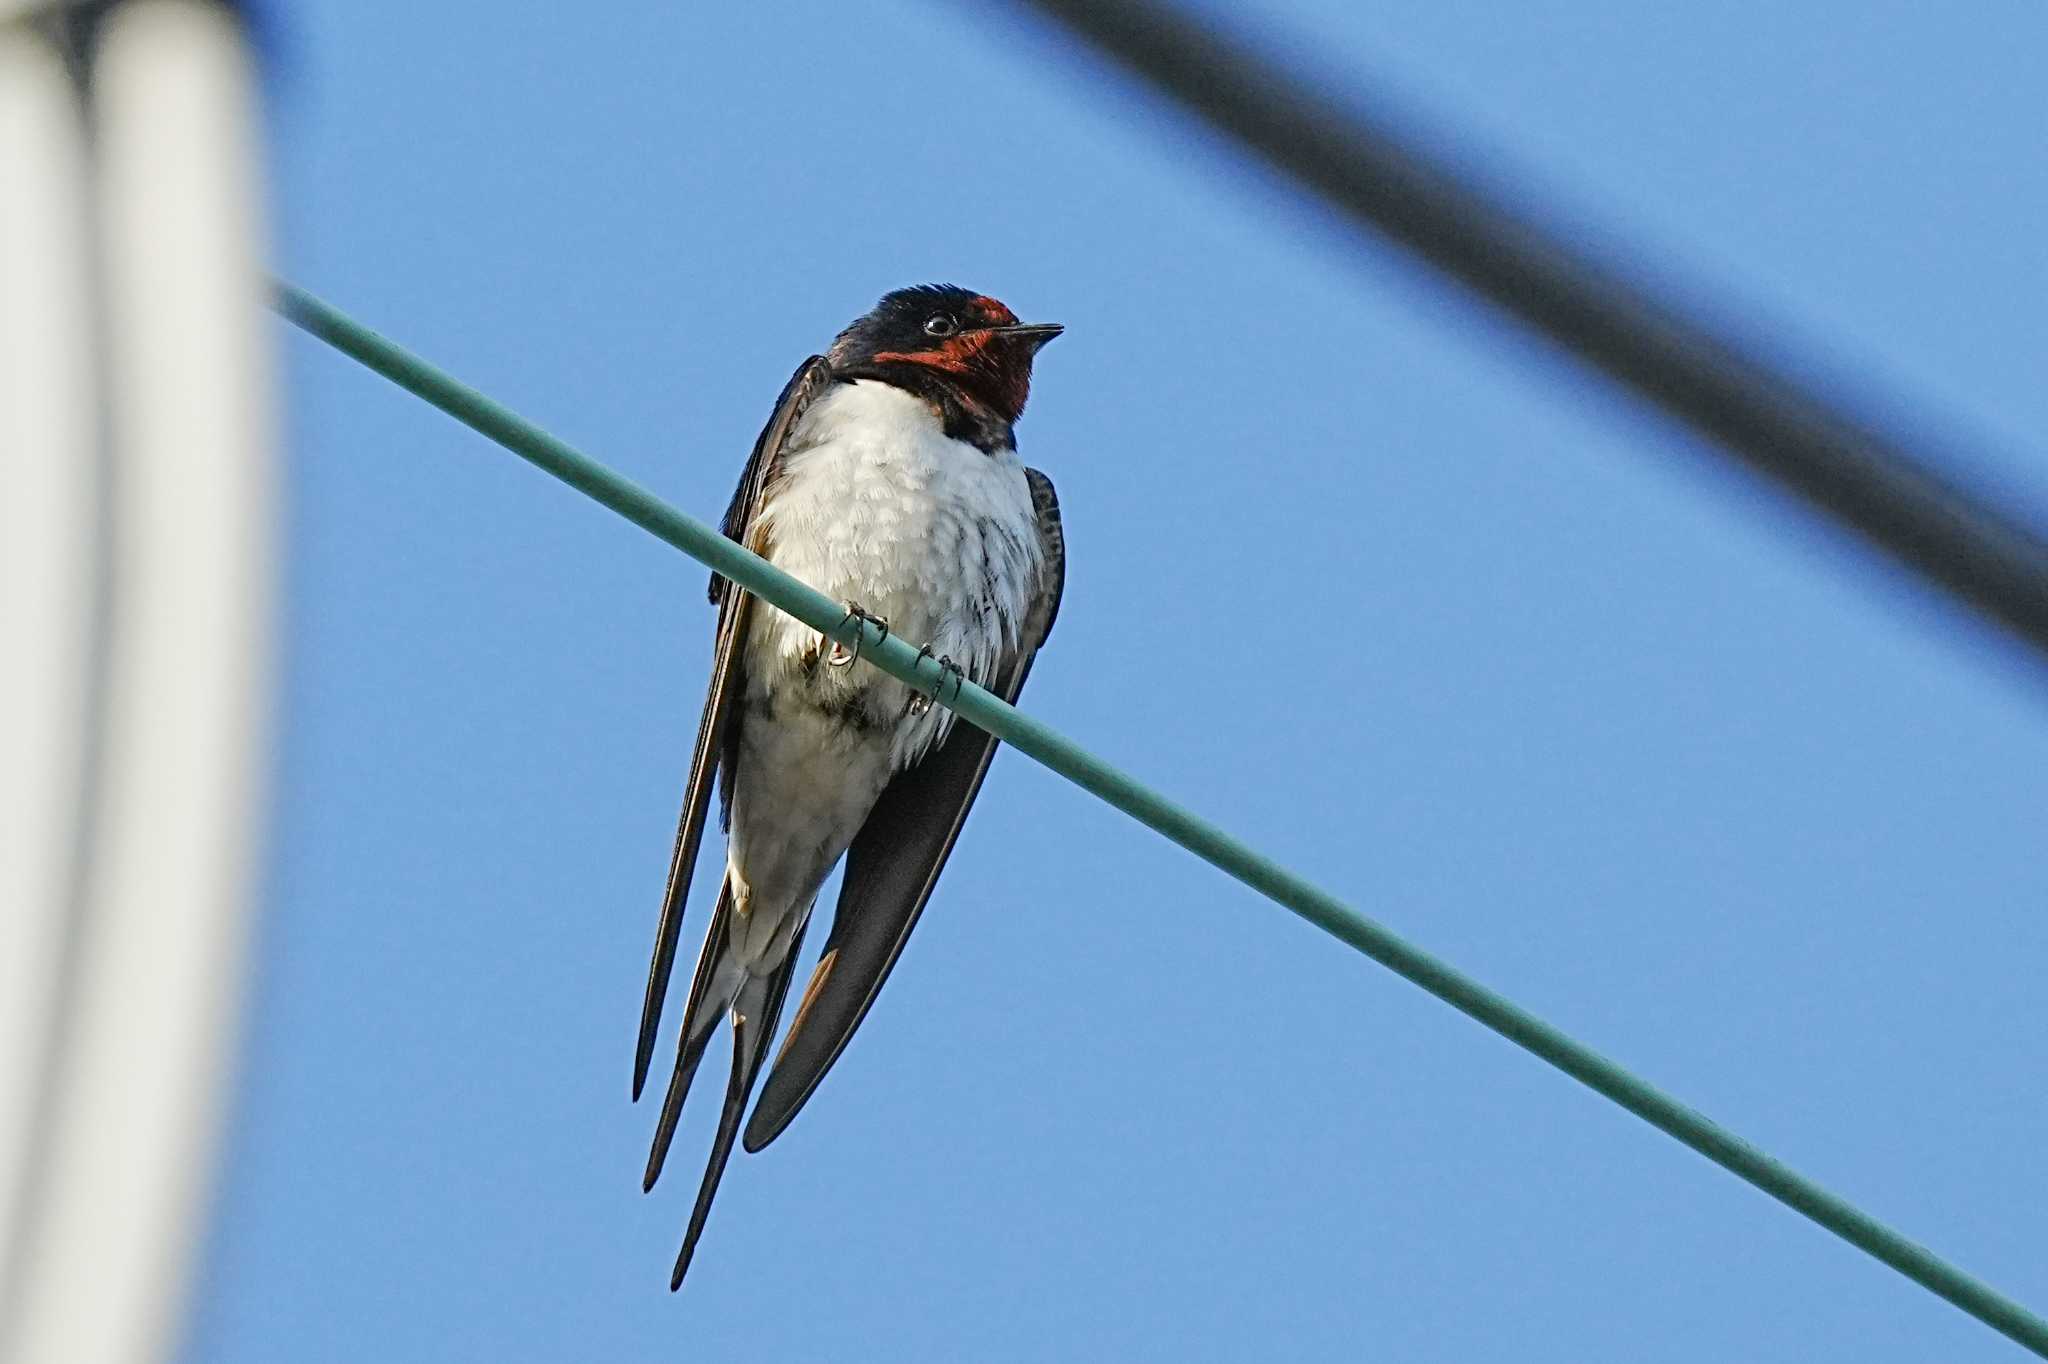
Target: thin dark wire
1860, 477
1156, 811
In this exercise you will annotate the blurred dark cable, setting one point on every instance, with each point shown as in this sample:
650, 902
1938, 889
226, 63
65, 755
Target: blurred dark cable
1854, 474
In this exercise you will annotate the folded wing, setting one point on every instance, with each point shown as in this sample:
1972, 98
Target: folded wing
810, 379
895, 861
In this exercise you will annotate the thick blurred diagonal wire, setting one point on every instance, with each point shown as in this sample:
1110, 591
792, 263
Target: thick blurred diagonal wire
1839, 463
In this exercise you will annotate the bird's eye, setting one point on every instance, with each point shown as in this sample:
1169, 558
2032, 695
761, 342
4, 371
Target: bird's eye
939, 324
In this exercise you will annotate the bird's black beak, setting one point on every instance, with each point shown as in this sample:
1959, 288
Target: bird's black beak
1033, 334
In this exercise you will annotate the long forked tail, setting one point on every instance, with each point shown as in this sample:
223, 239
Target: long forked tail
753, 1023
755, 1003
712, 990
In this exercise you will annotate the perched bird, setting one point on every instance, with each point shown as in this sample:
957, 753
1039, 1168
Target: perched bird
888, 479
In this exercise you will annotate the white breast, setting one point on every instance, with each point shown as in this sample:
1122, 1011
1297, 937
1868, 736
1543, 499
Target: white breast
875, 504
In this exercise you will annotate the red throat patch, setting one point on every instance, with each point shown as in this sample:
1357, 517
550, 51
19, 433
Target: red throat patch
955, 354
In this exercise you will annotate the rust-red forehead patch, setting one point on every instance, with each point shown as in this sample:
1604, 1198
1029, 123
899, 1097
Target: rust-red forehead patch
993, 312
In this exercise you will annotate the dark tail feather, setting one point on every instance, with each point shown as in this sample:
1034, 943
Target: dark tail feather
695, 1036
687, 1059
754, 1013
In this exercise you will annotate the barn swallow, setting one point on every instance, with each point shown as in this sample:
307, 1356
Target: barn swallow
887, 478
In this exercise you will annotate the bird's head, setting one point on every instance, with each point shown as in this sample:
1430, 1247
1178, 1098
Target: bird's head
966, 338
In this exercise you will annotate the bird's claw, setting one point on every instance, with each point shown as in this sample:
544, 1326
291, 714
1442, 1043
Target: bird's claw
919, 701
841, 656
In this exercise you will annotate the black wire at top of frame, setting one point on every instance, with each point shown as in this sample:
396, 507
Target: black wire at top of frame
1842, 465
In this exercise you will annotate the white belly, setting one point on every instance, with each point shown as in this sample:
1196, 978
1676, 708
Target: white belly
873, 504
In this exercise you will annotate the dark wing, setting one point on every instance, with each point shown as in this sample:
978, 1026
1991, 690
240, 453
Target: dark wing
895, 861
810, 380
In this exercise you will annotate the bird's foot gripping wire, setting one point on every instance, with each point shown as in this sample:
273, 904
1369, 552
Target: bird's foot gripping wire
919, 702
841, 656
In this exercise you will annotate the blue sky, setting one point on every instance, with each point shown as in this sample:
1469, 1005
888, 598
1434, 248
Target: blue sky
1356, 570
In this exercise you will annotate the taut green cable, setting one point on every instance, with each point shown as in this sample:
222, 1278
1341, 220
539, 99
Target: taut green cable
1148, 807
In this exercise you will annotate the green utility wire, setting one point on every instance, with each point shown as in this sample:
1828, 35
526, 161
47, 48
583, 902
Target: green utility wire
1148, 807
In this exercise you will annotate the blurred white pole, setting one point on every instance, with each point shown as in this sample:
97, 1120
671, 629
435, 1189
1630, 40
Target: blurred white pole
142, 920
49, 488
